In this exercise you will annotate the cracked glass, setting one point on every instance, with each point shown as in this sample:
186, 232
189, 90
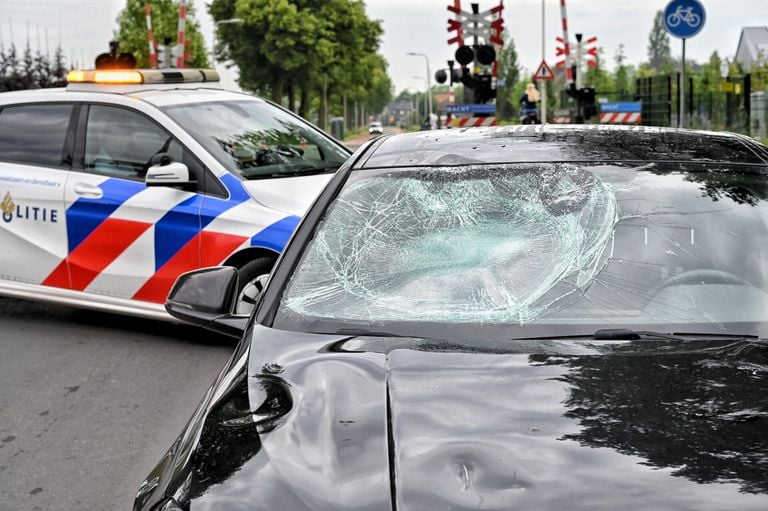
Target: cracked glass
526, 245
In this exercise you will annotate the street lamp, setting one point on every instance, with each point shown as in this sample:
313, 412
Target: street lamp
429, 92
425, 84
230, 21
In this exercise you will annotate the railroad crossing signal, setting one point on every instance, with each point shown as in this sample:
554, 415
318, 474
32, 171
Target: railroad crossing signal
487, 24
485, 29
544, 72
587, 50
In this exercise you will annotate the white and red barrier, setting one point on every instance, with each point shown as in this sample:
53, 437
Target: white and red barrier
620, 118
471, 122
151, 37
181, 43
623, 112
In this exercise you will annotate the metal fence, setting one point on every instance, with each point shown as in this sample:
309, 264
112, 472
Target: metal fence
727, 109
656, 94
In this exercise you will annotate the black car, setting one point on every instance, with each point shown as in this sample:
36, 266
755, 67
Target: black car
538, 318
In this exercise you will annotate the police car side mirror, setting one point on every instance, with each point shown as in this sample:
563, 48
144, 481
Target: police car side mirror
206, 297
171, 174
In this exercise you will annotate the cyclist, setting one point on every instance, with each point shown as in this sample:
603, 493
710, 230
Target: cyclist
529, 99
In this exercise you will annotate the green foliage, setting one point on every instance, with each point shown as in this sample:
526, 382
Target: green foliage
285, 47
659, 53
623, 73
507, 106
132, 30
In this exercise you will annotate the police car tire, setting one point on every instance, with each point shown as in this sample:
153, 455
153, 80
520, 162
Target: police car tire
247, 282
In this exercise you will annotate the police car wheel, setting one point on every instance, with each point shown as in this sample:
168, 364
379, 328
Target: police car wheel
252, 277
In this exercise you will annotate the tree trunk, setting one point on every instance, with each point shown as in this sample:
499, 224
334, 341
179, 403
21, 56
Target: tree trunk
277, 89
304, 101
291, 96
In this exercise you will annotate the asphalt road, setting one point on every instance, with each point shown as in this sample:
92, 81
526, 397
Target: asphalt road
89, 402
355, 142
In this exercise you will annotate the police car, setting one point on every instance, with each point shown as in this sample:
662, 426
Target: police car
112, 187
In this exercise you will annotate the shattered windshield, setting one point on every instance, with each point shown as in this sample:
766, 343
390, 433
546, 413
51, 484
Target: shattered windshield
257, 140
527, 245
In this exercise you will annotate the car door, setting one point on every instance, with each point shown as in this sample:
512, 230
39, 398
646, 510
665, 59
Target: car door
122, 233
36, 145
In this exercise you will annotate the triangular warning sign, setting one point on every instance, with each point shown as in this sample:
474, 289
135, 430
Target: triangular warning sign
544, 72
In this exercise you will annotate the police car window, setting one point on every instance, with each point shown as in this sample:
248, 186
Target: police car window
257, 140
122, 143
35, 134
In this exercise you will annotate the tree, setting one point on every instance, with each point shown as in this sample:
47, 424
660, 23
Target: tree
507, 105
11, 74
659, 54
623, 72
132, 30
58, 68
28, 78
310, 49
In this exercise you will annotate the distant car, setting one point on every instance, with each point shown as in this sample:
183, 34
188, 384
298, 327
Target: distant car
526, 317
112, 187
375, 128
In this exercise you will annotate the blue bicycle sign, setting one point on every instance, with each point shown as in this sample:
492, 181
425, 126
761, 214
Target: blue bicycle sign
684, 18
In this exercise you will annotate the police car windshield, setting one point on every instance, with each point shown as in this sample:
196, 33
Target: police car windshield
257, 140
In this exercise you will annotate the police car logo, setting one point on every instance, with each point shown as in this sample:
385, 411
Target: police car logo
11, 210
7, 207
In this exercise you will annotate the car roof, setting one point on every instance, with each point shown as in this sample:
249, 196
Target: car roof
159, 95
560, 143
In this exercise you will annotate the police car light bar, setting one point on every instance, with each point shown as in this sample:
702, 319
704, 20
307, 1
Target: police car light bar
145, 76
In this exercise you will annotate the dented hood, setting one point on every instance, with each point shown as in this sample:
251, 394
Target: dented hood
413, 425
291, 195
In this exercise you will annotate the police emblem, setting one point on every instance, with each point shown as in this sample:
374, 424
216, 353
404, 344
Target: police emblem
7, 207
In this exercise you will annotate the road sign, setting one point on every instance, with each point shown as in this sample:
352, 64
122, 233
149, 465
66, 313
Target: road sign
684, 18
470, 108
621, 106
543, 72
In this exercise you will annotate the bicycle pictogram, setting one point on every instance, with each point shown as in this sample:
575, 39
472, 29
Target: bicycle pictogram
685, 15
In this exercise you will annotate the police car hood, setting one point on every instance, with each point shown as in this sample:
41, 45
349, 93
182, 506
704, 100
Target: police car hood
386, 423
291, 195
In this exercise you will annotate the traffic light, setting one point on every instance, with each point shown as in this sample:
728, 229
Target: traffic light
585, 102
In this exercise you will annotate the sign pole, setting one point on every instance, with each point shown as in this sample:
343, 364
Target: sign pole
681, 120
542, 83
683, 19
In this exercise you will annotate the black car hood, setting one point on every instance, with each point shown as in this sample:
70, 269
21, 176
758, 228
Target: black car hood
411, 425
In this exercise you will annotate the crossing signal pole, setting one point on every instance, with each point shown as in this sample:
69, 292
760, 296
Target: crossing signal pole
478, 66
584, 96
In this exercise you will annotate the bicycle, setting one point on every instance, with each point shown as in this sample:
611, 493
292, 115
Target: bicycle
686, 15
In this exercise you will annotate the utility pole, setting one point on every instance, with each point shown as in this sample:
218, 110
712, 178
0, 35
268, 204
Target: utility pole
543, 83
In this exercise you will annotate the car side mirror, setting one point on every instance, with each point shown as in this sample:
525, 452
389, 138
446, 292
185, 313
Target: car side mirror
206, 297
167, 173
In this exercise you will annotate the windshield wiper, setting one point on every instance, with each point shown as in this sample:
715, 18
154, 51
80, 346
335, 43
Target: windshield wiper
296, 171
626, 334
609, 334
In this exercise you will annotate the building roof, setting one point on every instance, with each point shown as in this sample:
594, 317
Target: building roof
752, 42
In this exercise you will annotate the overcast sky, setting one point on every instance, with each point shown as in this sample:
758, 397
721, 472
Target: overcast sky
85, 27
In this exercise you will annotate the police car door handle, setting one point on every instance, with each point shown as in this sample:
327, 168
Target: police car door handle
90, 191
